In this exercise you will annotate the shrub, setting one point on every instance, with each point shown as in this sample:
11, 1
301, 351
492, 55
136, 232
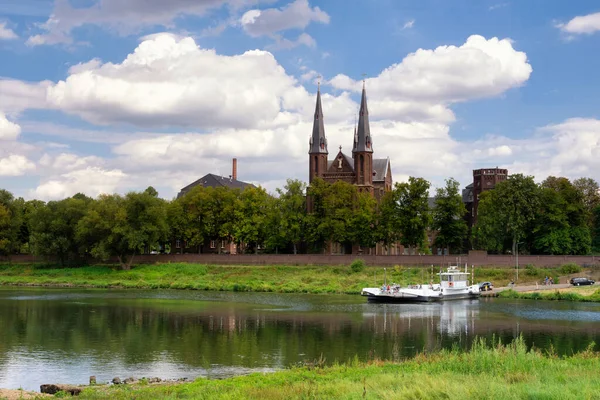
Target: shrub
530, 270
357, 265
570, 268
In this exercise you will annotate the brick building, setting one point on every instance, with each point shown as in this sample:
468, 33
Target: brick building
214, 181
369, 174
483, 179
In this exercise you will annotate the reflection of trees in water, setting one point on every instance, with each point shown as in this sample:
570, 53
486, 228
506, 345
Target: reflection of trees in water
233, 335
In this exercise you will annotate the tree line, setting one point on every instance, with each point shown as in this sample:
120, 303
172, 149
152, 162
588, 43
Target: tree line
554, 217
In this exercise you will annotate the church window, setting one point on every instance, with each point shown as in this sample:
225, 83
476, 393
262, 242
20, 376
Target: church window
316, 165
362, 168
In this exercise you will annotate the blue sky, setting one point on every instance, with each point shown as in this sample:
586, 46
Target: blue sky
110, 96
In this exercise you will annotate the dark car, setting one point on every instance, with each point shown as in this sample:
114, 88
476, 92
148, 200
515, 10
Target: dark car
581, 281
485, 286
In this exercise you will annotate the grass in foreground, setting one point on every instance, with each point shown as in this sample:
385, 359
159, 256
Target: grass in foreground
279, 278
500, 372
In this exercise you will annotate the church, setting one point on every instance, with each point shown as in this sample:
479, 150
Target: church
369, 174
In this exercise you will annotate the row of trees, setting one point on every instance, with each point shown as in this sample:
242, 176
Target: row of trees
554, 217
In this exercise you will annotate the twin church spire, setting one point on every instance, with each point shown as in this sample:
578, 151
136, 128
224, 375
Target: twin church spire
362, 133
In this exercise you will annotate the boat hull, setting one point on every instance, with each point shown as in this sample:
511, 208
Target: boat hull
417, 296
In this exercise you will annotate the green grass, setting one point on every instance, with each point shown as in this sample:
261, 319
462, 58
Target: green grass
551, 295
276, 278
485, 372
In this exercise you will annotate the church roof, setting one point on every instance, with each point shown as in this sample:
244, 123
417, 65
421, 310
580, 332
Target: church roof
348, 158
363, 141
212, 180
318, 141
380, 167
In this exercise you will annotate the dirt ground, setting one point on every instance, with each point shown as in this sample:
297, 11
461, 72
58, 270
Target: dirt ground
15, 394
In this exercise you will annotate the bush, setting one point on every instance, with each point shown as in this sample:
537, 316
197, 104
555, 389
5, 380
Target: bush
570, 268
530, 270
357, 265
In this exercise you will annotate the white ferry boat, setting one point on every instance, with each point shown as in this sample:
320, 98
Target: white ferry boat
453, 286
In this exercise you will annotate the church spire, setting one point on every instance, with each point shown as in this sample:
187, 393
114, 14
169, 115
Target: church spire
318, 141
363, 142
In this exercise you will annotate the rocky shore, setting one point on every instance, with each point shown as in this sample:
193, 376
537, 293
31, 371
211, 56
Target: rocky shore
75, 390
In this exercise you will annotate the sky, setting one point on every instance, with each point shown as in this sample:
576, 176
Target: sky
110, 96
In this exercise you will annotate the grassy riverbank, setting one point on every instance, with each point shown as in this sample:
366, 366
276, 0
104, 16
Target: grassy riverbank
500, 372
282, 278
568, 294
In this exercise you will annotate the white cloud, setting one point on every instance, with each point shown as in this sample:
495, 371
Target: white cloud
16, 96
286, 44
296, 15
92, 181
67, 162
8, 130
479, 68
123, 17
585, 24
409, 24
497, 6
6, 33
171, 81
503, 150
15, 165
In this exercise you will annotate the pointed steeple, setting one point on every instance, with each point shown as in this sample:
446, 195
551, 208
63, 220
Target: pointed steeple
318, 141
363, 142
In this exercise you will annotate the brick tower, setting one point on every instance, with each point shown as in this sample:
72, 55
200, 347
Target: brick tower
317, 144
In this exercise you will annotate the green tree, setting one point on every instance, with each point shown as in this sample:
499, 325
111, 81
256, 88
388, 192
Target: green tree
596, 230
53, 229
577, 217
291, 209
189, 216
387, 225
316, 220
121, 227
251, 217
363, 220
339, 208
507, 213
220, 214
590, 193
414, 216
448, 216
27, 211
489, 232
10, 223
551, 233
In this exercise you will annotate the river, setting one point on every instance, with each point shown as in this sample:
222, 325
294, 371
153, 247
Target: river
66, 335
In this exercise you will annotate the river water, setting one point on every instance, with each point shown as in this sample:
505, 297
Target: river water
64, 336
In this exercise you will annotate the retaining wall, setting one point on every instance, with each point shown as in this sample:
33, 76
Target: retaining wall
473, 258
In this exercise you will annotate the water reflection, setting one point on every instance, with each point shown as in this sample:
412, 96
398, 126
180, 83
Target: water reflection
66, 336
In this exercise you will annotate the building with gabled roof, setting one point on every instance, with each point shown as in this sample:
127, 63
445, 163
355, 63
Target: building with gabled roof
212, 180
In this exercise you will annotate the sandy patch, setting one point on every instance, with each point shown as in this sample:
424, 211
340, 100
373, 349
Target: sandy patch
15, 394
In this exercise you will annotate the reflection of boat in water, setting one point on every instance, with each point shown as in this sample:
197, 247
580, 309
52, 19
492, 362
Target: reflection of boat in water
453, 286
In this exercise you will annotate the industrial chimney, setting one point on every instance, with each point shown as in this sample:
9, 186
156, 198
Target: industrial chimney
234, 171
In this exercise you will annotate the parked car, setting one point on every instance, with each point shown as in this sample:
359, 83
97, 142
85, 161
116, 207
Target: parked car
485, 286
581, 281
